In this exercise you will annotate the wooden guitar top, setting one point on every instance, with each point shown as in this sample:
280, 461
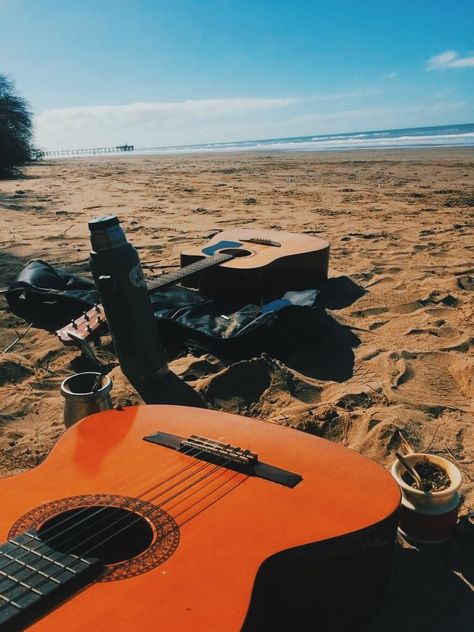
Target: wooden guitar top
280, 245
226, 525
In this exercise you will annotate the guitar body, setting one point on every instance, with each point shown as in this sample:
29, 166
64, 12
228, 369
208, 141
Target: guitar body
272, 262
222, 550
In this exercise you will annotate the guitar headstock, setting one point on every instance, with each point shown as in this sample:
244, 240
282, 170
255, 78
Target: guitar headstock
86, 327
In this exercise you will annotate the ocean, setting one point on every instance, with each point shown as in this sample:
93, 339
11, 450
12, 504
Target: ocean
414, 137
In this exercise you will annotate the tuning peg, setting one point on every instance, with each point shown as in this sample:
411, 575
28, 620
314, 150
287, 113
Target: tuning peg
89, 329
96, 307
86, 315
74, 324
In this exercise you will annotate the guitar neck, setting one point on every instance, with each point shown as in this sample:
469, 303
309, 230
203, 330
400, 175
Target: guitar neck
39, 576
92, 322
172, 278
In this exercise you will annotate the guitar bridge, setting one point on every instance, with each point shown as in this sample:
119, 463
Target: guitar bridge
225, 451
263, 241
225, 455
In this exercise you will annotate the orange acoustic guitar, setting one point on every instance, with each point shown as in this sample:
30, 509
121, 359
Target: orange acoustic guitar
245, 263
173, 519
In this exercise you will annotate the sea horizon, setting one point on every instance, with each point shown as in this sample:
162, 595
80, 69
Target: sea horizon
439, 136
455, 135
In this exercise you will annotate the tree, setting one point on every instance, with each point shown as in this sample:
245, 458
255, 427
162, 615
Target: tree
16, 129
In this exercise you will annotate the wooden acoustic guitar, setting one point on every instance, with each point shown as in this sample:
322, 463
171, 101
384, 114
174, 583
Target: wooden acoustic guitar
245, 263
174, 519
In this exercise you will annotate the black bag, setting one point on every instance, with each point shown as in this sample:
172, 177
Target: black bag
50, 298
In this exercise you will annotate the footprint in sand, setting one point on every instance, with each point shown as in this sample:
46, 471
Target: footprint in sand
427, 380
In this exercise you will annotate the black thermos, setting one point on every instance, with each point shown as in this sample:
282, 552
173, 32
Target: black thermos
119, 279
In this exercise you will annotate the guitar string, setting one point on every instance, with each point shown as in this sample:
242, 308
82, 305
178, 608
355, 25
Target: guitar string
85, 509
71, 565
40, 569
147, 513
130, 502
192, 493
122, 488
88, 518
224, 492
200, 467
221, 468
221, 486
239, 482
108, 527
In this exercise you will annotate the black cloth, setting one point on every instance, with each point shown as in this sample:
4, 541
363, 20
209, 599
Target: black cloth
50, 298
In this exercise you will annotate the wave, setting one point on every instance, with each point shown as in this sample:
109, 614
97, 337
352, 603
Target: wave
443, 136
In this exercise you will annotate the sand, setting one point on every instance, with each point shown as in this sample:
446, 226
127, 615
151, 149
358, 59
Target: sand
399, 357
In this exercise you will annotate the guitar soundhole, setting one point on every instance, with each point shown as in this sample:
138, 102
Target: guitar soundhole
112, 534
130, 535
236, 252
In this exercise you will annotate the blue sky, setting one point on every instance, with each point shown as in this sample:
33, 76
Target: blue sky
176, 72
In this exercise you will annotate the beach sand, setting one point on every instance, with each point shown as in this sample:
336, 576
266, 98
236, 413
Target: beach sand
399, 357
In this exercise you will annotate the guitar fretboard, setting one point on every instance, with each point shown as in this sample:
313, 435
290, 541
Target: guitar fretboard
93, 322
34, 577
171, 278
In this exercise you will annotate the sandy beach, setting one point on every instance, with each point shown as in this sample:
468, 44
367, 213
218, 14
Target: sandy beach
400, 225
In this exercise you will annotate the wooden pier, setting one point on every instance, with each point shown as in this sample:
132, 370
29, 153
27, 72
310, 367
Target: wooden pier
94, 150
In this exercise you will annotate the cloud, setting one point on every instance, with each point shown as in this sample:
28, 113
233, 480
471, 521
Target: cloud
335, 96
167, 123
388, 75
449, 59
149, 122
146, 113
183, 123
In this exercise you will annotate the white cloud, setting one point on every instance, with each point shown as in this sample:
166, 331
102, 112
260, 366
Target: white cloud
141, 123
166, 123
223, 120
388, 75
335, 96
449, 59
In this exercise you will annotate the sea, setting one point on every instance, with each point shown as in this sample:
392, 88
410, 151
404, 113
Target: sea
412, 137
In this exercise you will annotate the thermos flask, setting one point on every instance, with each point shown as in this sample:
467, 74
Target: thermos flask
119, 279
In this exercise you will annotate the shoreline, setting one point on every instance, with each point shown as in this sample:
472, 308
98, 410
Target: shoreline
258, 152
459, 135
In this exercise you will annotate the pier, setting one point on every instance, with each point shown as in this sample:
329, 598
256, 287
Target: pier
94, 150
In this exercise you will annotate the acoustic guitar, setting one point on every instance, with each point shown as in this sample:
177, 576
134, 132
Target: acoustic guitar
244, 263
172, 518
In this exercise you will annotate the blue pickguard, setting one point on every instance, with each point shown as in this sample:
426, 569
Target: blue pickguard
211, 250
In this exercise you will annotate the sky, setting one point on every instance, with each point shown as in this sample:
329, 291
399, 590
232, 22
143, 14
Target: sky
176, 72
